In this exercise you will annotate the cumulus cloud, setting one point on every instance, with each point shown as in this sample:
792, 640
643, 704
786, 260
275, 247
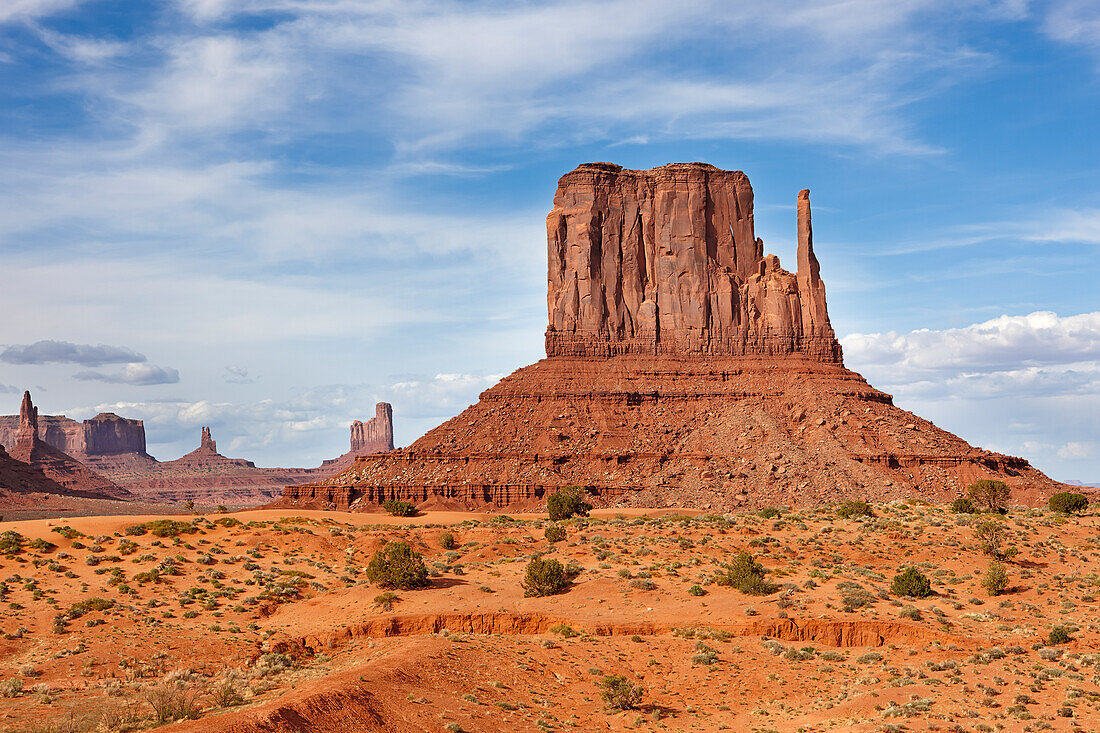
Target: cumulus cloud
238, 375
440, 395
1012, 345
139, 375
64, 352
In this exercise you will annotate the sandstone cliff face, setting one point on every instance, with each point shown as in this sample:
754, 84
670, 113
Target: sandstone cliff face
106, 434
74, 478
666, 261
374, 435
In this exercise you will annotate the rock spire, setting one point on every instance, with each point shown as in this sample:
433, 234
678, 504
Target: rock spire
374, 435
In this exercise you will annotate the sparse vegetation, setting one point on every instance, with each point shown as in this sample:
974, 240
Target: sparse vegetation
544, 577
995, 580
567, 502
1068, 502
398, 566
854, 508
990, 535
989, 495
963, 505
619, 693
769, 512
398, 508
447, 541
746, 575
912, 583
554, 533
1059, 635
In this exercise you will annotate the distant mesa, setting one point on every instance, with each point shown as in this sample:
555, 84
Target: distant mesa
64, 470
106, 456
684, 367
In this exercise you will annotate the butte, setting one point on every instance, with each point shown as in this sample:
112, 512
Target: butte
684, 367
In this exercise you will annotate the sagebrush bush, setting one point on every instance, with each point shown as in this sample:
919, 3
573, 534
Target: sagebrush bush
746, 575
399, 508
769, 512
11, 542
172, 701
447, 541
990, 535
168, 528
854, 508
399, 566
912, 583
567, 502
620, 693
544, 578
1068, 502
989, 495
1059, 635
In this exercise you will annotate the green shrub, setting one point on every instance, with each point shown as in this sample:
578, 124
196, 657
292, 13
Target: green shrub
544, 578
962, 505
696, 590
169, 528
1059, 635
397, 565
567, 502
989, 495
447, 541
67, 532
42, 545
854, 508
134, 530
995, 580
911, 582
11, 542
555, 533
620, 693
1068, 502
385, 600
399, 508
990, 535
746, 575
768, 512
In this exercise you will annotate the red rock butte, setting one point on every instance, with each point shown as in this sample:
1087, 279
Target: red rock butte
684, 368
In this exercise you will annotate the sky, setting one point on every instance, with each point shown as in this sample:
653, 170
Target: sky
266, 215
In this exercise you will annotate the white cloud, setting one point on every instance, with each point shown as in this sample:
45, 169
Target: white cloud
64, 352
1076, 450
1005, 344
1075, 22
441, 396
238, 375
138, 375
11, 10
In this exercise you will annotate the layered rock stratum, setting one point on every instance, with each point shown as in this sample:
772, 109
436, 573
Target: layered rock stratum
684, 368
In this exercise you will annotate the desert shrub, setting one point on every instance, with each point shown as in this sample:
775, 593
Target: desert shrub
544, 578
768, 512
704, 654
854, 508
11, 687
555, 533
169, 528
447, 541
620, 693
567, 502
399, 508
226, 694
995, 580
989, 495
643, 584
564, 630
854, 595
385, 600
911, 582
227, 521
696, 590
80, 608
11, 542
134, 530
962, 505
1068, 502
41, 545
397, 565
910, 612
67, 532
746, 575
127, 547
271, 664
1059, 635
990, 535
172, 701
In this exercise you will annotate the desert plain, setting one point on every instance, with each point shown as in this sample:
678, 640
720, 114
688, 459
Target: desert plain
264, 621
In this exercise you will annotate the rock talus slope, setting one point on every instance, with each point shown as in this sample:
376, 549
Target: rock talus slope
684, 367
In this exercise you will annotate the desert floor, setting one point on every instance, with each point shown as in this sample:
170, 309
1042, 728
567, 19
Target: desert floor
266, 622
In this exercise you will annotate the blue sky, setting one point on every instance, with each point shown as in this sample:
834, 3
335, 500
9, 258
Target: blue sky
266, 215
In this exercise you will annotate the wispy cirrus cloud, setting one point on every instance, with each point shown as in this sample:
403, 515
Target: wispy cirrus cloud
138, 375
